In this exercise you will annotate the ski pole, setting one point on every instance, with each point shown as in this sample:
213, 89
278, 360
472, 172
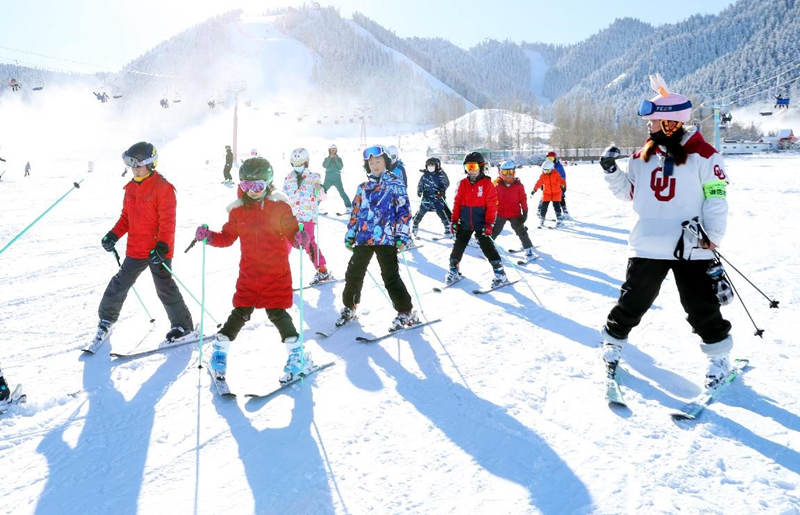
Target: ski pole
759, 332
300, 338
378, 285
75, 185
116, 255
195, 241
191, 294
513, 264
413, 286
772, 303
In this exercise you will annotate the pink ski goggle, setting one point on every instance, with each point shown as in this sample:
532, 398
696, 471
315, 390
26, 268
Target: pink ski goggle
254, 186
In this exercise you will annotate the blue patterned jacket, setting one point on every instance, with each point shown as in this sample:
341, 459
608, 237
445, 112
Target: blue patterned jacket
381, 214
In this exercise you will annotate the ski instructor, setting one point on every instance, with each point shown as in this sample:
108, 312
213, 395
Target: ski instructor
148, 218
673, 178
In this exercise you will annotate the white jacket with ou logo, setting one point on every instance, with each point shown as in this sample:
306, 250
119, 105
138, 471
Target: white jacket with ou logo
695, 189
304, 197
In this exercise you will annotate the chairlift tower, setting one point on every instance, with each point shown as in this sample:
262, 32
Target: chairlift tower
237, 88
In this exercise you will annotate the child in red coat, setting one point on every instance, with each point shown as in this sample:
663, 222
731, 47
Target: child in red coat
550, 183
263, 222
512, 206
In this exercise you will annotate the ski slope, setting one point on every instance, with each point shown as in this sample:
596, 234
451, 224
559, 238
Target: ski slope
497, 409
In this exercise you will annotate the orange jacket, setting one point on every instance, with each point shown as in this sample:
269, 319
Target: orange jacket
148, 216
551, 184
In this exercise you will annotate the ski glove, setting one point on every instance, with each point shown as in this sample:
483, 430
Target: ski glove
455, 226
159, 254
301, 239
525, 216
349, 244
202, 233
487, 230
609, 159
108, 241
400, 245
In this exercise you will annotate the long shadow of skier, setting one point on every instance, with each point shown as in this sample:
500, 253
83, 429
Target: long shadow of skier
562, 272
496, 441
112, 449
284, 467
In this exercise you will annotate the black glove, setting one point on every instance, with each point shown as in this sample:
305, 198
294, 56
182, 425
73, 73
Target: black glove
525, 216
159, 254
609, 159
108, 241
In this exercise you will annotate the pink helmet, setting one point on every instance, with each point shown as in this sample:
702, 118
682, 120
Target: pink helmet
665, 105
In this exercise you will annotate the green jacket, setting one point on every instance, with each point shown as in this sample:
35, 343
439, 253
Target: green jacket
333, 165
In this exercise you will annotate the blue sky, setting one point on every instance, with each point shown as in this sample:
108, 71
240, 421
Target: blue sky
87, 35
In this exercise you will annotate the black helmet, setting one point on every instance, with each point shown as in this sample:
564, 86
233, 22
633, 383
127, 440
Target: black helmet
227, 147
141, 154
256, 169
476, 157
435, 162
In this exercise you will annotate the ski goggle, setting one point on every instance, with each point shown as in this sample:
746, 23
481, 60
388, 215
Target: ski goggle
647, 108
472, 166
507, 172
132, 162
254, 186
551, 158
375, 151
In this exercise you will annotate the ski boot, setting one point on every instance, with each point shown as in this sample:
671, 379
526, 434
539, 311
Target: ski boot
404, 319
559, 222
298, 363
612, 352
346, 315
176, 332
541, 222
414, 231
219, 355
4, 391
453, 275
719, 365
103, 330
529, 254
448, 233
322, 275
499, 277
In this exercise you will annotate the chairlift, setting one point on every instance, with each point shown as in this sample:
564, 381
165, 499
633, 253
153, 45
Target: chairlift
781, 102
13, 84
164, 103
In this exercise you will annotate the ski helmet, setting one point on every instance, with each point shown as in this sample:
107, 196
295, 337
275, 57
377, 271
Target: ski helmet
508, 165
394, 154
141, 154
299, 158
665, 105
375, 151
475, 157
333, 147
435, 162
227, 147
256, 169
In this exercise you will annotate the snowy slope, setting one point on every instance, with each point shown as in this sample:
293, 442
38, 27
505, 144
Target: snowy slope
496, 409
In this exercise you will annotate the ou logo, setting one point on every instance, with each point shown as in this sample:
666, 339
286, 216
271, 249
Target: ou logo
720, 173
663, 187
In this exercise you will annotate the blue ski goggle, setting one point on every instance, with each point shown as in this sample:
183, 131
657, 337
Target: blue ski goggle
374, 151
647, 108
132, 162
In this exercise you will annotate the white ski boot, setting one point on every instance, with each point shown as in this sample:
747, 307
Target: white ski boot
612, 352
298, 363
719, 365
320, 277
452, 276
403, 320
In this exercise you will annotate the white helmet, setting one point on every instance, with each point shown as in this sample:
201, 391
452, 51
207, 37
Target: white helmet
333, 147
299, 158
547, 166
394, 154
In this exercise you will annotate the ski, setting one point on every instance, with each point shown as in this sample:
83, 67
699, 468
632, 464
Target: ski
16, 397
614, 393
315, 285
220, 384
365, 339
439, 289
527, 260
440, 238
517, 251
283, 386
692, 409
343, 214
190, 338
329, 332
412, 247
493, 288
98, 342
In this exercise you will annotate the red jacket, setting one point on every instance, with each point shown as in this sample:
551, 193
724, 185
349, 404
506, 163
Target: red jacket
265, 230
475, 204
551, 184
512, 200
148, 216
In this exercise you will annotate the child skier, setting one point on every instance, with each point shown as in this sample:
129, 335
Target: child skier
474, 211
148, 217
379, 225
550, 183
263, 222
431, 187
303, 188
558, 167
512, 206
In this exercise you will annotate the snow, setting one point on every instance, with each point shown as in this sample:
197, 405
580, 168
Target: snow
496, 409
539, 69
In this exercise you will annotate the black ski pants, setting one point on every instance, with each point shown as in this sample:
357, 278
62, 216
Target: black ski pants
117, 291
695, 288
518, 225
240, 315
226, 172
543, 205
437, 205
390, 273
564, 199
485, 242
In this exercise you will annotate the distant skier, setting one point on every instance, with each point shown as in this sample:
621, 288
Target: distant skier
475, 211
512, 206
333, 175
379, 225
226, 171
551, 156
148, 218
397, 167
673, 178
27, 169
432, 187
12, 82
4, 391
262, 221
550, 183
303, 188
